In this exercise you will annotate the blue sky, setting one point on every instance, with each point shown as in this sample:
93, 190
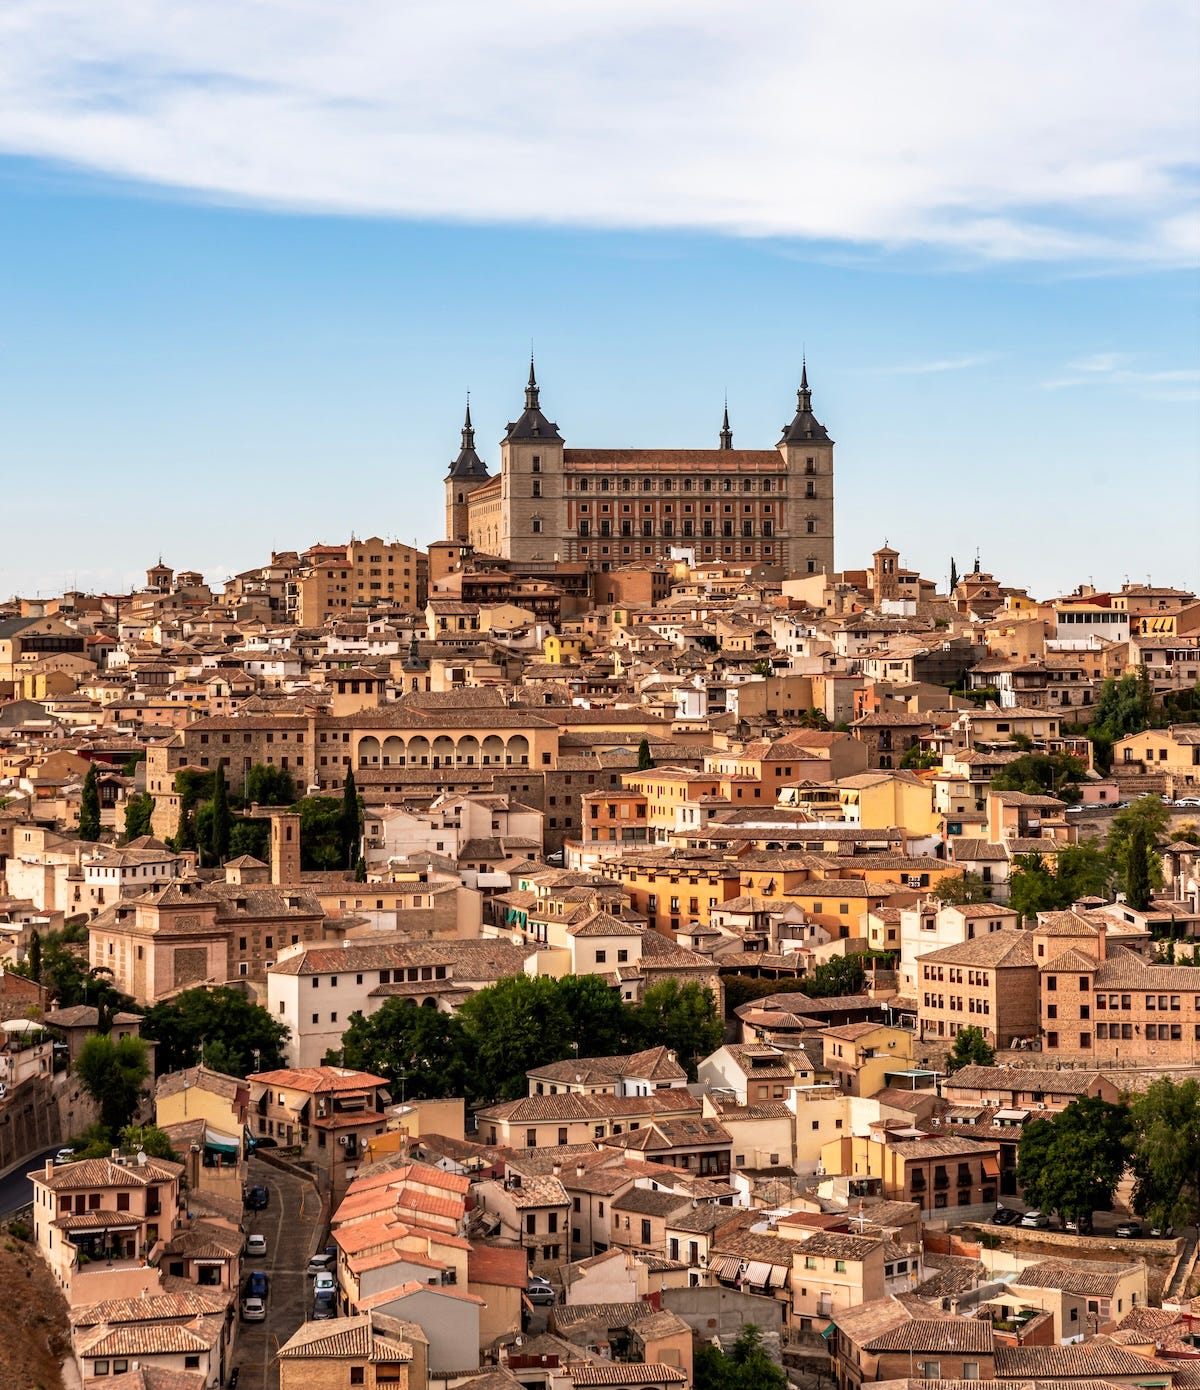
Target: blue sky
243, 295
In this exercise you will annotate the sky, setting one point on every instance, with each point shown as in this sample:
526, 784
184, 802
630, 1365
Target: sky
254, 255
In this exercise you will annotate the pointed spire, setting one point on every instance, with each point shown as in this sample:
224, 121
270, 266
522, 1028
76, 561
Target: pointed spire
531, 389
804, 395
468, 433
726, 432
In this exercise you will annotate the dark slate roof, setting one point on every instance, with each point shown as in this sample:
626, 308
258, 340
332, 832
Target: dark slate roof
805, 428
468, 464
532, 424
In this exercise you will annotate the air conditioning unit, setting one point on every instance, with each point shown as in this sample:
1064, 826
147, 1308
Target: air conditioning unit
344, 1140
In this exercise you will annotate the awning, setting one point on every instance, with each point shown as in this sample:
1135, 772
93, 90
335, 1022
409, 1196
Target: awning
724, 1267
830, 1332
221, 1143
991, 1166
758, 1272
1011, 1116
778, 1277
211, 1263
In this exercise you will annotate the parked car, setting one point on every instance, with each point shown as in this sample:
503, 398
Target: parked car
254, 1309
324, 1283
256, 1198
64, 1155
1188, 801
540, 1291
324, 1306
1036, 1220
1162, 1232
1078, 1225
256, 1245
1129, 1230
257, 1284
1005, 1216
262, 1141
323, 1259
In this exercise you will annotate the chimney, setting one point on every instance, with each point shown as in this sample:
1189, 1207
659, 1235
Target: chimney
579, 1170
557, 1170
49, 1168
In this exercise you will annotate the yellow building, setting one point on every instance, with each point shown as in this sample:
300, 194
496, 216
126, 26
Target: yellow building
335, 581
860, 1055
1175, 751
671, 792
561, 650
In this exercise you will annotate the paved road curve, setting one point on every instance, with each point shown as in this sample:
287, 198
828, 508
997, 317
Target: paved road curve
289, 1225
16, 1190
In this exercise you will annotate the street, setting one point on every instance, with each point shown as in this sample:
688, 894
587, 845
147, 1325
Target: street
16, 1191
289, 1224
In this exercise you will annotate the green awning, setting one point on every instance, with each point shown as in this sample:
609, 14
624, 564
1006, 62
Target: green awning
221, 1143
830, 1332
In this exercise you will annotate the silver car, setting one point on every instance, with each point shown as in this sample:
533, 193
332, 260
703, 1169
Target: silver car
254, 1309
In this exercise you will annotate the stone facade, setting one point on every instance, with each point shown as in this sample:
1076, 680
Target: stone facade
614, 507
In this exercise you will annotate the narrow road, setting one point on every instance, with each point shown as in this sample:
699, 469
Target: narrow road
16, 1191
289, 1224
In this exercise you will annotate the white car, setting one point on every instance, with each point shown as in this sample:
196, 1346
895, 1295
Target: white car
254, 1309
64, 1155
324, 1283
256, 1245
1036, 1219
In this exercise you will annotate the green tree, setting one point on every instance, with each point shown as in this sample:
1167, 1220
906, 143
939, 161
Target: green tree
1072, 1162
1083, 871
919, 759
1166, 1152
644, 761
193, 786
219, 826
422, 1052
953, 575
269, 785
682, 1017
189, 1028
747, 1367
139, 810
1050, 774
1152, 816
149, 1138
517, 1023
252, 837
321, 845
971, 1049
1125, 706
35, 956
967, 887
349, 823
89, 807
113, 1074
1033, 888
1137, 869
838, 975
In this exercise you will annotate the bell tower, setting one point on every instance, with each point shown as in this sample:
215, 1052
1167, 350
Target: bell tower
808, 457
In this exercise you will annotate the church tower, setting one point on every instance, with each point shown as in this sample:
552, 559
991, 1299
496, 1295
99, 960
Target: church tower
467, 472
808, 457
533, 509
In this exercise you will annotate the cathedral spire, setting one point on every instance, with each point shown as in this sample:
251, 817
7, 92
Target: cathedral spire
531, 389
726, 432
468, 432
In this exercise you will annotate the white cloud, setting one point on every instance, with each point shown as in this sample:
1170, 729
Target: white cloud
1115, 369
940, 364
1020, 131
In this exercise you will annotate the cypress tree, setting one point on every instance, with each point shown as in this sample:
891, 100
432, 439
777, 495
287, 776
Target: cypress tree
220, 828
349, 825
1137, 869
89, 807
953, 575
645, 761
35, 956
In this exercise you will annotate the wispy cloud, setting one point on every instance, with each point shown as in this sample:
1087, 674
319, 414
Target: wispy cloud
1117, 369
940, 364
988, 131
